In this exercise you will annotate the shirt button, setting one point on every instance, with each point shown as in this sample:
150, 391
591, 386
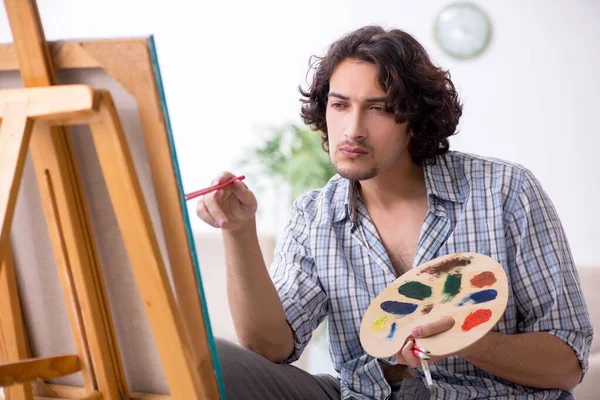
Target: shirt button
345, 392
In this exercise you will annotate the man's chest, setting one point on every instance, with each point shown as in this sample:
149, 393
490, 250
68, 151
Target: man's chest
399, 234
400, 244
372, 254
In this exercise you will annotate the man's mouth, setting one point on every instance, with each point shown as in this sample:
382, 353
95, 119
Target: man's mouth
353, 152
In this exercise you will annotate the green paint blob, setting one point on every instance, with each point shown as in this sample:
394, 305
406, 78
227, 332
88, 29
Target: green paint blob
451, 287
415, 290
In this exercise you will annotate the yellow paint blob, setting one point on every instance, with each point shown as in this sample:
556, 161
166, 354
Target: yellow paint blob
378, 324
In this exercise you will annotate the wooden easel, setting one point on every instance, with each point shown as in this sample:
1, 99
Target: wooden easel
34, 119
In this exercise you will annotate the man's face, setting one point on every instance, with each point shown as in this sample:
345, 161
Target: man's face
364, 138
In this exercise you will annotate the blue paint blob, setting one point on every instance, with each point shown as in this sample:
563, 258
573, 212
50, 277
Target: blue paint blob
480, 297
398, 308
392, 331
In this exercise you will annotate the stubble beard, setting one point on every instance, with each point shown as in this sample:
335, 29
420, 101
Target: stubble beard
354, 174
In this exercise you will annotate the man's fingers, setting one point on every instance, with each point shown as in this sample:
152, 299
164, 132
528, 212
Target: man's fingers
242, 192
399, 358
214, 208
224, 177
203, 213
408, 355
433, 328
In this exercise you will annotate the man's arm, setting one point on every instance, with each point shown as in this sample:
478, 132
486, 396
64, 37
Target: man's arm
256, 309
554, 332
554, 335
554, 328
535, 359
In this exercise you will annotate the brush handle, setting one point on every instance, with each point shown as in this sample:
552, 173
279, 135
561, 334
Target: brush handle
201, 192
422, 350
420, 355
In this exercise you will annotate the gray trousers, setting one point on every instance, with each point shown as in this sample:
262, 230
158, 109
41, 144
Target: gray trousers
249, 376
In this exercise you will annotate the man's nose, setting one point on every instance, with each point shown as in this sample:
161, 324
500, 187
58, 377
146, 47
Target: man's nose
356, 129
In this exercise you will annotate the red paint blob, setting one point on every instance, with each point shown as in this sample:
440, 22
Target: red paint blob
476, 318
483, 279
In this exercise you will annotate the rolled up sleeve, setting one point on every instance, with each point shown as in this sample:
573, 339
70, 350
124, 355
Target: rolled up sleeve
294, 275
546, 283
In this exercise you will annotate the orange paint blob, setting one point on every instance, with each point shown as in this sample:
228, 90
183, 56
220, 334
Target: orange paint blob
476, 318
483, 279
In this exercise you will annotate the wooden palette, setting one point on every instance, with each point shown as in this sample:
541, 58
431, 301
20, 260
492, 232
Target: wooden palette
469, 287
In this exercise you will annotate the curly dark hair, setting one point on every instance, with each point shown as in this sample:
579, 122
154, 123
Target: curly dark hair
417, 91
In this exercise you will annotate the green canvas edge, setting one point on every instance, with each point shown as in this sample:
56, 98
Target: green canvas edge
163, 102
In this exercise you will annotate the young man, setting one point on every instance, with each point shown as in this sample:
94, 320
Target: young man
400, 198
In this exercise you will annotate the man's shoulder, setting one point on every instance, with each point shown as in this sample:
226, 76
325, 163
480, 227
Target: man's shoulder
474, 167
323, 203
494, 176
476, 162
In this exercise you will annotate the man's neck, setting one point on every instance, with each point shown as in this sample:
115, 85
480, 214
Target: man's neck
395, 187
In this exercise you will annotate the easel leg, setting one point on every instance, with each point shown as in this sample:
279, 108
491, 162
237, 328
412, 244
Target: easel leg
144, 253
14, 139
13, 346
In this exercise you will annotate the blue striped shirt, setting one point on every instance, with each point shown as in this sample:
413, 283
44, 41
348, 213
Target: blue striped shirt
331, 262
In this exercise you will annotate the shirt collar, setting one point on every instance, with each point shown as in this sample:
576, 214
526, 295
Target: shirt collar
443, 180
446, 180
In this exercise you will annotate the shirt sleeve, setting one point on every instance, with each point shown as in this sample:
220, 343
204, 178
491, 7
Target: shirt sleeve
545, 281
294, 275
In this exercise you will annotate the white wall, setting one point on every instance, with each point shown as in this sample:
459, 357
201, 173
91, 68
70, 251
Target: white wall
232, 68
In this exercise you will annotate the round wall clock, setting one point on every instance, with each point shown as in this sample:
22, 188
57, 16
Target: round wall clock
462, 30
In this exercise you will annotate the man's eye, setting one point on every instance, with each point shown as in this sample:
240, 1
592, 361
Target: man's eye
337, 106
379, 109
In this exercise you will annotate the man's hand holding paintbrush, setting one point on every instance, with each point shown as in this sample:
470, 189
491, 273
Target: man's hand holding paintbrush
228, 205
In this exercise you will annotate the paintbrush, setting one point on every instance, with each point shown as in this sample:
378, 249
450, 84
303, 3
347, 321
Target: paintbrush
422, 354
420, 349
209, 189
428, 378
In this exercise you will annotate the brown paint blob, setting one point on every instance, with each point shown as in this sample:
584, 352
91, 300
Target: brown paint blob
427, 309
446, 266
